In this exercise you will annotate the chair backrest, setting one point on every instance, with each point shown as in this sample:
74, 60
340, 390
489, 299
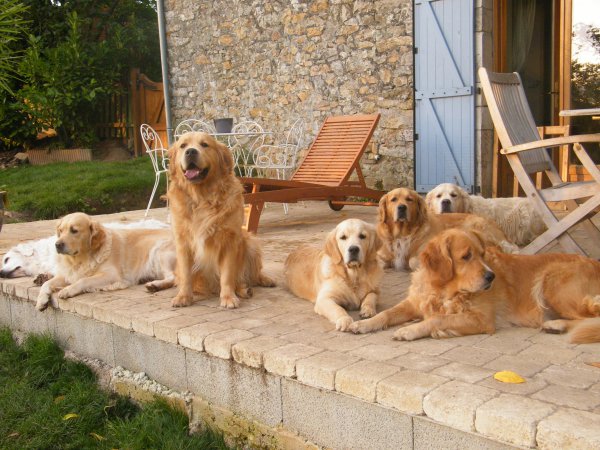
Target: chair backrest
154, 148
247, 126
512, 117
337, 149
191, 125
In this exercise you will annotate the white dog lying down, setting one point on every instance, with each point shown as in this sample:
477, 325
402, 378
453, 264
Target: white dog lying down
514, 215
33, 258
93, 258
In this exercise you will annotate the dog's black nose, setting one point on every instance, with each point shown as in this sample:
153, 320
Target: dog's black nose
446, 202
401, 207
489, 276
191, 151
353, 250
60, 246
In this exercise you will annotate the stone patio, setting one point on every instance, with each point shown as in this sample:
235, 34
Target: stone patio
286, 370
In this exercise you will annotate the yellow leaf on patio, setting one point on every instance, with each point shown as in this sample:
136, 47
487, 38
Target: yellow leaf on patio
506, 376
70, 416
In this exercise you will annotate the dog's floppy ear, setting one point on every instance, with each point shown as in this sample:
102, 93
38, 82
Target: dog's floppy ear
421, 210
429, 199
58, 224
464, 202
225, 157
375, 242
97, 236
437, 261
382, 210
173, 165
331, 248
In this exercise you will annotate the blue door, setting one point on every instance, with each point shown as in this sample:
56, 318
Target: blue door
444, 93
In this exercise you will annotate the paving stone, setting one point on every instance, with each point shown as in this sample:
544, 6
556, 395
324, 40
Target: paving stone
463, 372
160, 360
565, 376
219, 344
360, 379
471, 340
282, 360
594, 348
343, 342
274, 329
555, 356
524, 366
105, 310
167, 329
308, 337
595, 387
319, 370
455, 403
568, 396
144, 323
249, 392
429, 435
251, 351
84, 305
383, 337
418, 362
244, 323
193, 337
551, 340
337, 421
263, 313
467, 355
512, 419
378, 352
569, 429
432, 347
222, 316
198, 310
405, 390
506, 343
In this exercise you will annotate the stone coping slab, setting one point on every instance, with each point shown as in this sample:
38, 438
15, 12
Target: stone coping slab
277, 335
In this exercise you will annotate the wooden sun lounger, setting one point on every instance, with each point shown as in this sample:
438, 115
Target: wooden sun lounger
325, 171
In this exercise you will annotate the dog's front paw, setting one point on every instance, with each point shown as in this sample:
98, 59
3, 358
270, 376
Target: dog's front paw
230, 301
181, 300
558, 326
343, 323
360, 327
367, 311
43, 301
406, 334
266, 281
66, 292
244, 292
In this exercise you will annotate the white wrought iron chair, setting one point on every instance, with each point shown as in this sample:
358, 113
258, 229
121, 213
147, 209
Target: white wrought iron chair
245, 137
281, 157
191, 125
158, 155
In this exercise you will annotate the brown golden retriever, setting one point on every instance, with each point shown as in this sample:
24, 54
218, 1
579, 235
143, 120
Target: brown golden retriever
213, 252
92, 257
343, 275
405, 226
461, 286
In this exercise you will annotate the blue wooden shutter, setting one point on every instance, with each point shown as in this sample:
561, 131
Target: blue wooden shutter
444, 93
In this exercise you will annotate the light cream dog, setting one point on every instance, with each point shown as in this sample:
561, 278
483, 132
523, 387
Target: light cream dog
343, 275
515, 216
92, 258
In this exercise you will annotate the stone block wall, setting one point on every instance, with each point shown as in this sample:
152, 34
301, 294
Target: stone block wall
273, 61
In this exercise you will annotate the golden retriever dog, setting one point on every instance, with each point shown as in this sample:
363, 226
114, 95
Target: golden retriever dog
343, 275
213, 252
405, 226
91, 257
462, 287
515, 216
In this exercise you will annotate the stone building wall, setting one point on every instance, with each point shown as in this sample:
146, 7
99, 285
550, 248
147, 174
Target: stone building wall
273, 61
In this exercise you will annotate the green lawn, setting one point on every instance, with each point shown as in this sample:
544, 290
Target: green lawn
47, 402
94, 187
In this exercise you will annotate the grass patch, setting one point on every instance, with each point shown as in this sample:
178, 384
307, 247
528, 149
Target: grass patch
40, 392
93, 187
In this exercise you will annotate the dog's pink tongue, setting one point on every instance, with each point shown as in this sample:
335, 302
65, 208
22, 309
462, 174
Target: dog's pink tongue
191, 173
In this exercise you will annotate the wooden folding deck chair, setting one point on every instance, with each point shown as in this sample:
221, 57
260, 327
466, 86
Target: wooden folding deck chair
528, 155
324, 172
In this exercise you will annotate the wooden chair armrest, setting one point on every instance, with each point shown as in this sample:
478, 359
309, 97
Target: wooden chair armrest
554, 142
